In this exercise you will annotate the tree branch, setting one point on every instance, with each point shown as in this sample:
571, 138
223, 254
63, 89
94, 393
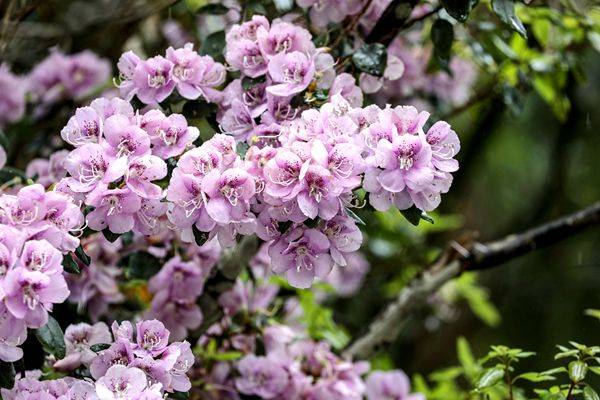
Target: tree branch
385, 328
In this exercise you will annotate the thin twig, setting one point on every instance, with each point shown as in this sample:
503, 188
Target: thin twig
385, 328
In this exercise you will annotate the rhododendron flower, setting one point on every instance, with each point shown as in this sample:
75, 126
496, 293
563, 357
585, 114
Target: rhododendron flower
124, 139
40, 255
344, 237
261, 376
152, 338
229, 194
153, 79
78, 339
84, 127
444, 146
390, 385
292, 73
121, 382
31, 294
140, 174
114, 209
283, 37
301, 255
13, 333
12, 97
89, 165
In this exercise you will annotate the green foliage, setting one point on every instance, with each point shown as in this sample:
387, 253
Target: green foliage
494, 376
52, 338
319, 321
505, 10
371, 58
466, 287
442, 36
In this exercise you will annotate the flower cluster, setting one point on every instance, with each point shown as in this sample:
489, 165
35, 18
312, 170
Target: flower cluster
178, 285
118, 158
278, 62
35, 231
154, 79
279, 361
145, 348
140, 366
324, 12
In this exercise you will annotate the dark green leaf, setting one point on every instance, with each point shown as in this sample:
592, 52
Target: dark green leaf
99, 347
8, 173
215, 8
198, 109
3, 140
241, 149
51, 337
110, 236
354, 216
248, 83
505, 10
7, 375
142, 265
179, 395
199, 236
214, 44
414, 215
442, 36
80, 253
458, 9
371, 58
70, 265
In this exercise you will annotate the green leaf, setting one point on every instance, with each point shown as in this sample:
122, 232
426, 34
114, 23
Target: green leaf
465, 356
534, 377
214, 44
590, 394
3, 140
354, 216
213, 8
414, 215
442, 36
371, 58
110, 236
98, 347
179, 395
490, 378
142, 265
592, 313
595, 370
7, 375
52, 339
199, 237
577, 370
594, 39
505, 10
8, 173
80, 253
70, 265
458, 9
227, 355
319, 321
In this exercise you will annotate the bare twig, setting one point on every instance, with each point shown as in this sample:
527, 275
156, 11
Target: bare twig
385, 328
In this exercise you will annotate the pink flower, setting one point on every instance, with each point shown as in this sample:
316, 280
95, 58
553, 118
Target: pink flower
12, 96
124, 139
153, 79
140, 174
444, 146
78, 339
121, 382
292, 72
390, 385
84, 127
114, 208
246, 56
229, 194
284, 37
301, 255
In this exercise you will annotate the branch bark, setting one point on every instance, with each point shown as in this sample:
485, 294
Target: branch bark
480, 256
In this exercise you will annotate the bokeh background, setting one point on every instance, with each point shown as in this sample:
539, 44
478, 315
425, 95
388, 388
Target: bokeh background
520, 166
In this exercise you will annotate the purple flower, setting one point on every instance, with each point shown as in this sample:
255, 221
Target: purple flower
13, 333
84, 127
12, 97
140, 174
127, 65
114, 208
89, 165
301, 255
261, 376
177, 315
390, 385
124, 139
229, 194
284, 37
292, 72
78, 339
121, 382
83, 73
444, 146
40, 255
119, 353
347, 280
31, 294
153, 79
183, 280
245, 55
152, 338
169, 135
344, 236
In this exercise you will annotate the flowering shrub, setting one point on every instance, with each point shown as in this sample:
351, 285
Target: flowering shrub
193, 221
